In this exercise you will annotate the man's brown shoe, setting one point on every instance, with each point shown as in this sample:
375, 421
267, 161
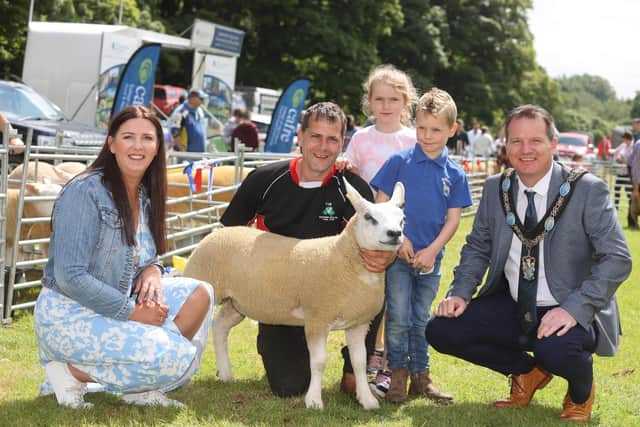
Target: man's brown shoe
421, 385
348, 384
398, 389
578, 411
523, 387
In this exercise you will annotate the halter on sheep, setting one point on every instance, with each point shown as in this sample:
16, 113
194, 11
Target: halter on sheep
320, 284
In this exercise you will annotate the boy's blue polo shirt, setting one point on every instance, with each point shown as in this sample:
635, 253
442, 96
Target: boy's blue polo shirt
431, 187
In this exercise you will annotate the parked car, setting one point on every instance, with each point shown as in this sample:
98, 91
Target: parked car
25, 108
572, 143
167, 97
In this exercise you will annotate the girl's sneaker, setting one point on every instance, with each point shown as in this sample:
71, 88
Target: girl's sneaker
68, 390
151, 398
375, 362
380, 385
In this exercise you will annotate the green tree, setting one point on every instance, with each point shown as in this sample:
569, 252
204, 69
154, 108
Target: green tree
13, 30
635, 106
333, 42
597, 86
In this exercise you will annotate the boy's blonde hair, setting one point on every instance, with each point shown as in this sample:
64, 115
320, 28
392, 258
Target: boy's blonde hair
399, 80
438, 102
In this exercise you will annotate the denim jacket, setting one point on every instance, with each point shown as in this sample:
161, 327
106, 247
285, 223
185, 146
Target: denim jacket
89, 261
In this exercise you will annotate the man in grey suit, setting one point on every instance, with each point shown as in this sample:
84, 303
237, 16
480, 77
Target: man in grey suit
551, 283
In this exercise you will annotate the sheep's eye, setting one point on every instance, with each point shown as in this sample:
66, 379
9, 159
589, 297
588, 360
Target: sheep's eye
368, 217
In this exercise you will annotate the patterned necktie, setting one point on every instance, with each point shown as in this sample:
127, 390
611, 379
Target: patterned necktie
528, 289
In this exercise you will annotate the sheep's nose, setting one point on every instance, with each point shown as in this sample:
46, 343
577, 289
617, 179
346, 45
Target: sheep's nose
394, 234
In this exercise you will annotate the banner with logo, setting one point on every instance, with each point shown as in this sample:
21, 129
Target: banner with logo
284, 121
135, 86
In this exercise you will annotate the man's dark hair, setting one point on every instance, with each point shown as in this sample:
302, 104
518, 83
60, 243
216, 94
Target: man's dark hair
627, 135
326, 111
531, 112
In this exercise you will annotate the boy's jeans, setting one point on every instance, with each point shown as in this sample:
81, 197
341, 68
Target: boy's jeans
409, 295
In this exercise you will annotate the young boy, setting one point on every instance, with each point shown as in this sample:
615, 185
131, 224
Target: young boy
436, 190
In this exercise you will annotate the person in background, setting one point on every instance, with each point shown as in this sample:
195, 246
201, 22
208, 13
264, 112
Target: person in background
234, 120
604, 147
621, 156
351, 129
188, 123
105, 314
246, 132
459, 142
482, 145
538, 314
15, 143
436, 190
474, 132
291, 198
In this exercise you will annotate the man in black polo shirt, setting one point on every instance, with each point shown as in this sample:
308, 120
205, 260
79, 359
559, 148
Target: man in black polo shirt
303, 198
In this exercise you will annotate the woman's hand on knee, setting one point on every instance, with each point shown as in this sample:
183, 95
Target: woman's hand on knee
151, 314
149, 285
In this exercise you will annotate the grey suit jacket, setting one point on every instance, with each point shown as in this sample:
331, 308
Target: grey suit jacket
586, 256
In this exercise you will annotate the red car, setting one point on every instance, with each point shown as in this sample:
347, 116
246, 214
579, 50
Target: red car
167, 97
572, 143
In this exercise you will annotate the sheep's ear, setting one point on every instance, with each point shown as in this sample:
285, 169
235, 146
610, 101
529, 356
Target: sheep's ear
46, 179
354, 197
397, 197
31, 189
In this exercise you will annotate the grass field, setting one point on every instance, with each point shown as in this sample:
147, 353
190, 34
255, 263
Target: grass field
248, 402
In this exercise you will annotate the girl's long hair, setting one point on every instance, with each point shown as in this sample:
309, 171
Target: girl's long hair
154, 179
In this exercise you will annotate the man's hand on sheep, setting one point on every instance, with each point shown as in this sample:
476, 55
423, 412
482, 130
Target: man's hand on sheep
149, 285
376, 261
150, 313
451, 307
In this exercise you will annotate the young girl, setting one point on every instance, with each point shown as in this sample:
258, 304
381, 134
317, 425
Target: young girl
389, 95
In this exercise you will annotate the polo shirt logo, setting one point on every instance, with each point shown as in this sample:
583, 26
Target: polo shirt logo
328, 213
446, 187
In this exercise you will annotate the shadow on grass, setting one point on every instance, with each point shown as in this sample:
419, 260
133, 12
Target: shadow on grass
209, 401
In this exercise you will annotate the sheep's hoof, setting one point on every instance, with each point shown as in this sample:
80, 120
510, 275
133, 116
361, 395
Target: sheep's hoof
313, 404
226, 377
369, 402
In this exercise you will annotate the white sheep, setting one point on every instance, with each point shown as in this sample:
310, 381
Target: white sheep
46, 173
320, 284
31, 209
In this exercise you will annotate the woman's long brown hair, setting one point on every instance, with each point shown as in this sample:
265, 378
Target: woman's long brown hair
154, 179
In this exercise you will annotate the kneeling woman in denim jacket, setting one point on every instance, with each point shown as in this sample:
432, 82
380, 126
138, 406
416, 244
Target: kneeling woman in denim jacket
105, 315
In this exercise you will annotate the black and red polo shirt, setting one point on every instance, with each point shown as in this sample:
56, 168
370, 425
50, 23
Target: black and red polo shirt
273, 198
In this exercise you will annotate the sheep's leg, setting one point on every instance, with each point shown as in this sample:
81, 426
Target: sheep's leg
358, 353
317, 345
227, 318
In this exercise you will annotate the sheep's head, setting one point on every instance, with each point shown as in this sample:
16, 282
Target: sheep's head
43, 208
379, 225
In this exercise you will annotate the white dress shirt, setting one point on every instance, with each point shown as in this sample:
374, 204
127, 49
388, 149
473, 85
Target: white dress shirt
512, 266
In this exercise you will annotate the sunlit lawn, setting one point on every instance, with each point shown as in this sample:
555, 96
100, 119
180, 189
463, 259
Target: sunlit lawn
249, 401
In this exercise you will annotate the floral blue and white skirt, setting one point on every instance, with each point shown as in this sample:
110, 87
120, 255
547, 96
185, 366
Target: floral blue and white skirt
124, 357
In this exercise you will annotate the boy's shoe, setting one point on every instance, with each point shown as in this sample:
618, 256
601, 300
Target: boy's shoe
398, 388
380, 385
421, 385
375, 362
151, 398
68, 390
